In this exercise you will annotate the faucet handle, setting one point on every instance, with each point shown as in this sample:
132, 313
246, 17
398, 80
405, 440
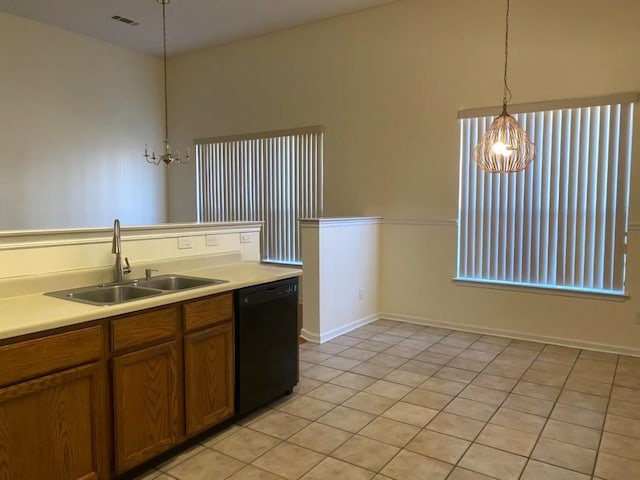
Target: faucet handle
147, 272
126, 269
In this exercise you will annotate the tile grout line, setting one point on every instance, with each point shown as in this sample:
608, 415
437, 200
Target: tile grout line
418, 432
518, 380
529, 458
604, 421
473, 442
505, 346
400, 449
396, 401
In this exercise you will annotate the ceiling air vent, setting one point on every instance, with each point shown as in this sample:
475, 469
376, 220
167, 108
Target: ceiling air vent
126, 20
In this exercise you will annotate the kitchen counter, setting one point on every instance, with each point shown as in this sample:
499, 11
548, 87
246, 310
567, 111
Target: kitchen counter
33, 313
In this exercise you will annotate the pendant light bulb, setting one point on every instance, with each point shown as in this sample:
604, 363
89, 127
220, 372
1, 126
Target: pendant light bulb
500, 148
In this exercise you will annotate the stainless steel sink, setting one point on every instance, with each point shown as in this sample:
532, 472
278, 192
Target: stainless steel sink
111, 294
106, 294
177, 282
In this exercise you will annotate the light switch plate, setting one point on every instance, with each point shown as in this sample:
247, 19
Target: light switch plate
212, 240
184, 242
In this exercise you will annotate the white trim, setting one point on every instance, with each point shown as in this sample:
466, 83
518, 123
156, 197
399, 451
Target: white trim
540, 289
336, 332
600, 347
85, 236
338, 222
310, 336
427, 222
498, 332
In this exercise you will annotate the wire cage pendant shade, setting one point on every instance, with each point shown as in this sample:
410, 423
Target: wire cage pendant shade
505, 147
167, 156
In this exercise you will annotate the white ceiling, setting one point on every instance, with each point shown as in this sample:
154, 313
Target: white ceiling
191, 24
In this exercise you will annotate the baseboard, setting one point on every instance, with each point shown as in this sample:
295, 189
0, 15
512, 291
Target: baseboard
601, 347
323, 337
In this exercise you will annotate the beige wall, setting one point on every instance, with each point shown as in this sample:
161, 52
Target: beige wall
387, 84
417, 267
76, 114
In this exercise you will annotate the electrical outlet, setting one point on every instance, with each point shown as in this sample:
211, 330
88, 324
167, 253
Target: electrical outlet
212, 240
184, 242
361, 294
245, 238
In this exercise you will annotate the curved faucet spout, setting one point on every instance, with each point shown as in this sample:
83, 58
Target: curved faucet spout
120, 269
115, 243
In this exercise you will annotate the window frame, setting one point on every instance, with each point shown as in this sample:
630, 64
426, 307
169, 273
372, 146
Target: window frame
279, 170
484, 116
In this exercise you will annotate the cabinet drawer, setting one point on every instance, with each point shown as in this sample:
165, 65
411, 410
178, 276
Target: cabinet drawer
144, 329
209, 311
40, 356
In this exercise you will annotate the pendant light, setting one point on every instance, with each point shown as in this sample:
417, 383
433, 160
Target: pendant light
505, 147
168, 157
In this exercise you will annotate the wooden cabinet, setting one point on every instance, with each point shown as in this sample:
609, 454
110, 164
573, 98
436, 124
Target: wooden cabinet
145, 408
53, 426
209, 377
95, 401
207, 312
209, 370
146, 401
149, 404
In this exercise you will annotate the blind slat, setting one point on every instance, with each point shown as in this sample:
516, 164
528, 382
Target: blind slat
275, 179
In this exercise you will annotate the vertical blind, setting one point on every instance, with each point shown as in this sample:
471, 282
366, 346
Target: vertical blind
562, 222
273, 177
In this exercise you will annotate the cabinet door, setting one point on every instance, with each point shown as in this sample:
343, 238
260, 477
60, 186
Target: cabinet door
209, 374
49, 427
146, 411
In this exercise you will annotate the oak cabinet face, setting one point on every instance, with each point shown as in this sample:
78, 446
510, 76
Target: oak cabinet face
209, 377
145, 404
93, 402
50, 427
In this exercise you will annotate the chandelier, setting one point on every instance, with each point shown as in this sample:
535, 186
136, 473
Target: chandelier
505, 147
168, 157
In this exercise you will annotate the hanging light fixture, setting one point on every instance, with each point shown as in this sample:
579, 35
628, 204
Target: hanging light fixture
168, 157
505, 147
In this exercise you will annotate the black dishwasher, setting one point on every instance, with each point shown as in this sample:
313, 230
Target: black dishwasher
266, 343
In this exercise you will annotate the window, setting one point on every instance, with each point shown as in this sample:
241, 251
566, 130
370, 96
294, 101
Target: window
274, 177
562, 222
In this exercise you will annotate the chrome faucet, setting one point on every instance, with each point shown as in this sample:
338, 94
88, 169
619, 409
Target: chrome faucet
147, 273
120, 270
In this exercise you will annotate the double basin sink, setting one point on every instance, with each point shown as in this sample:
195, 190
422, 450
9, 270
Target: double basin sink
111, 294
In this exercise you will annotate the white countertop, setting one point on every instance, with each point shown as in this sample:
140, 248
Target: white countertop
33, 313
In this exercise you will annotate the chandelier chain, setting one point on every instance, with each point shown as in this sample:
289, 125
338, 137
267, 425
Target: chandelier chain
507, 93
164, 57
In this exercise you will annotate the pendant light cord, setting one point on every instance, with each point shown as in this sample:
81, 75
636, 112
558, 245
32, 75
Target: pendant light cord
507, 93
164, 56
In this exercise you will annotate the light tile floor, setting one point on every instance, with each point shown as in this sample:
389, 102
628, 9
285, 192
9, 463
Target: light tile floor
399, 401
